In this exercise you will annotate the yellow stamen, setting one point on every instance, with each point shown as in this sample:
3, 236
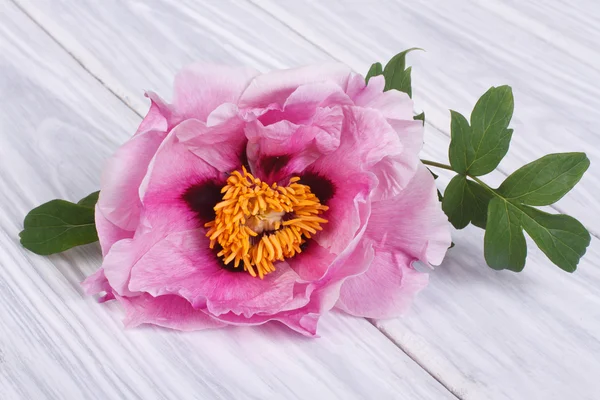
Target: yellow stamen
250, 208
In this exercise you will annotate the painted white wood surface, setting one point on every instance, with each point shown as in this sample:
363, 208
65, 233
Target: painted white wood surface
57, 124
482, 333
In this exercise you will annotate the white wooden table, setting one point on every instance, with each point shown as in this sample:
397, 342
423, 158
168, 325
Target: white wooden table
72, 75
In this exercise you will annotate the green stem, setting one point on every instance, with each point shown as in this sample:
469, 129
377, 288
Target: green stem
482, 183
449, 168
436, 164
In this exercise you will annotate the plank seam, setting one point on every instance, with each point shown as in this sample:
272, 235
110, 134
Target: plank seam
74, 57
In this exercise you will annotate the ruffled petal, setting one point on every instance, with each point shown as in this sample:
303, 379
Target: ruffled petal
412, 222
180, 188
108, 233
403, 229
386, 290
280, 150
171, 312
276, 86
159, 117
97, 283
302, 104
362, 93
183, 264
119, 202
201, 88
222, 144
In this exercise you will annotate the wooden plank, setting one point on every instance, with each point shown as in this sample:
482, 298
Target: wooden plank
504, 353
544, 49
58, 123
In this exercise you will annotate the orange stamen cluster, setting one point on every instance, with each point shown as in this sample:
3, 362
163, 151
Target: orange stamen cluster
249, 224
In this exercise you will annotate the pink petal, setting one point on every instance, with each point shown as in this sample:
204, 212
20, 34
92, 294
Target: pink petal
168, 311
117, 265
97, 283
393, 105
201, 88
174, 172
386, 290
108, 233
395, 171
183, 264
313, 262
277, 151
276, 86
221, 144
301, 322
412, 222
301, 105
403, 229
159, 116
343, 215
361, 93
119, 202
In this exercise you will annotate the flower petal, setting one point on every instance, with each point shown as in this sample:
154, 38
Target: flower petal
174, 174
119, 201
277, 151
97, 283
108, 233
412, 222
201, 88
403, 229
386, 290
362, 93
171, 312
303, 103
222, 145
183, 264
276, 86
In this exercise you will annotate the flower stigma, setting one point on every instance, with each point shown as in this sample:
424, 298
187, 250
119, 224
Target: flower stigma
257, 224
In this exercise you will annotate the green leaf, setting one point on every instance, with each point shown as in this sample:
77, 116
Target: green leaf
562, 238
397, 76
478, 149
375, 70
57, 226
546, 180
90, 200
460, 132
504, 242
465, 201
420, 117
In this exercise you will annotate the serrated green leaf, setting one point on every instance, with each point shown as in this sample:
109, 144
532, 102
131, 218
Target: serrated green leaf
375, 70
479, 149
546, 180
57, 226
504, 242
420, 117
562, 238
465, 201
90, 200
397, 76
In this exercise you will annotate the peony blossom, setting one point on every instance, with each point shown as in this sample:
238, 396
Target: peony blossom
268, 197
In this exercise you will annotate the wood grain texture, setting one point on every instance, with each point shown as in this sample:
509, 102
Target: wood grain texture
57, 124
484, 334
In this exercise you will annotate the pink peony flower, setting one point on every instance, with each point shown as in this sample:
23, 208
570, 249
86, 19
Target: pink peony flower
259, 197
